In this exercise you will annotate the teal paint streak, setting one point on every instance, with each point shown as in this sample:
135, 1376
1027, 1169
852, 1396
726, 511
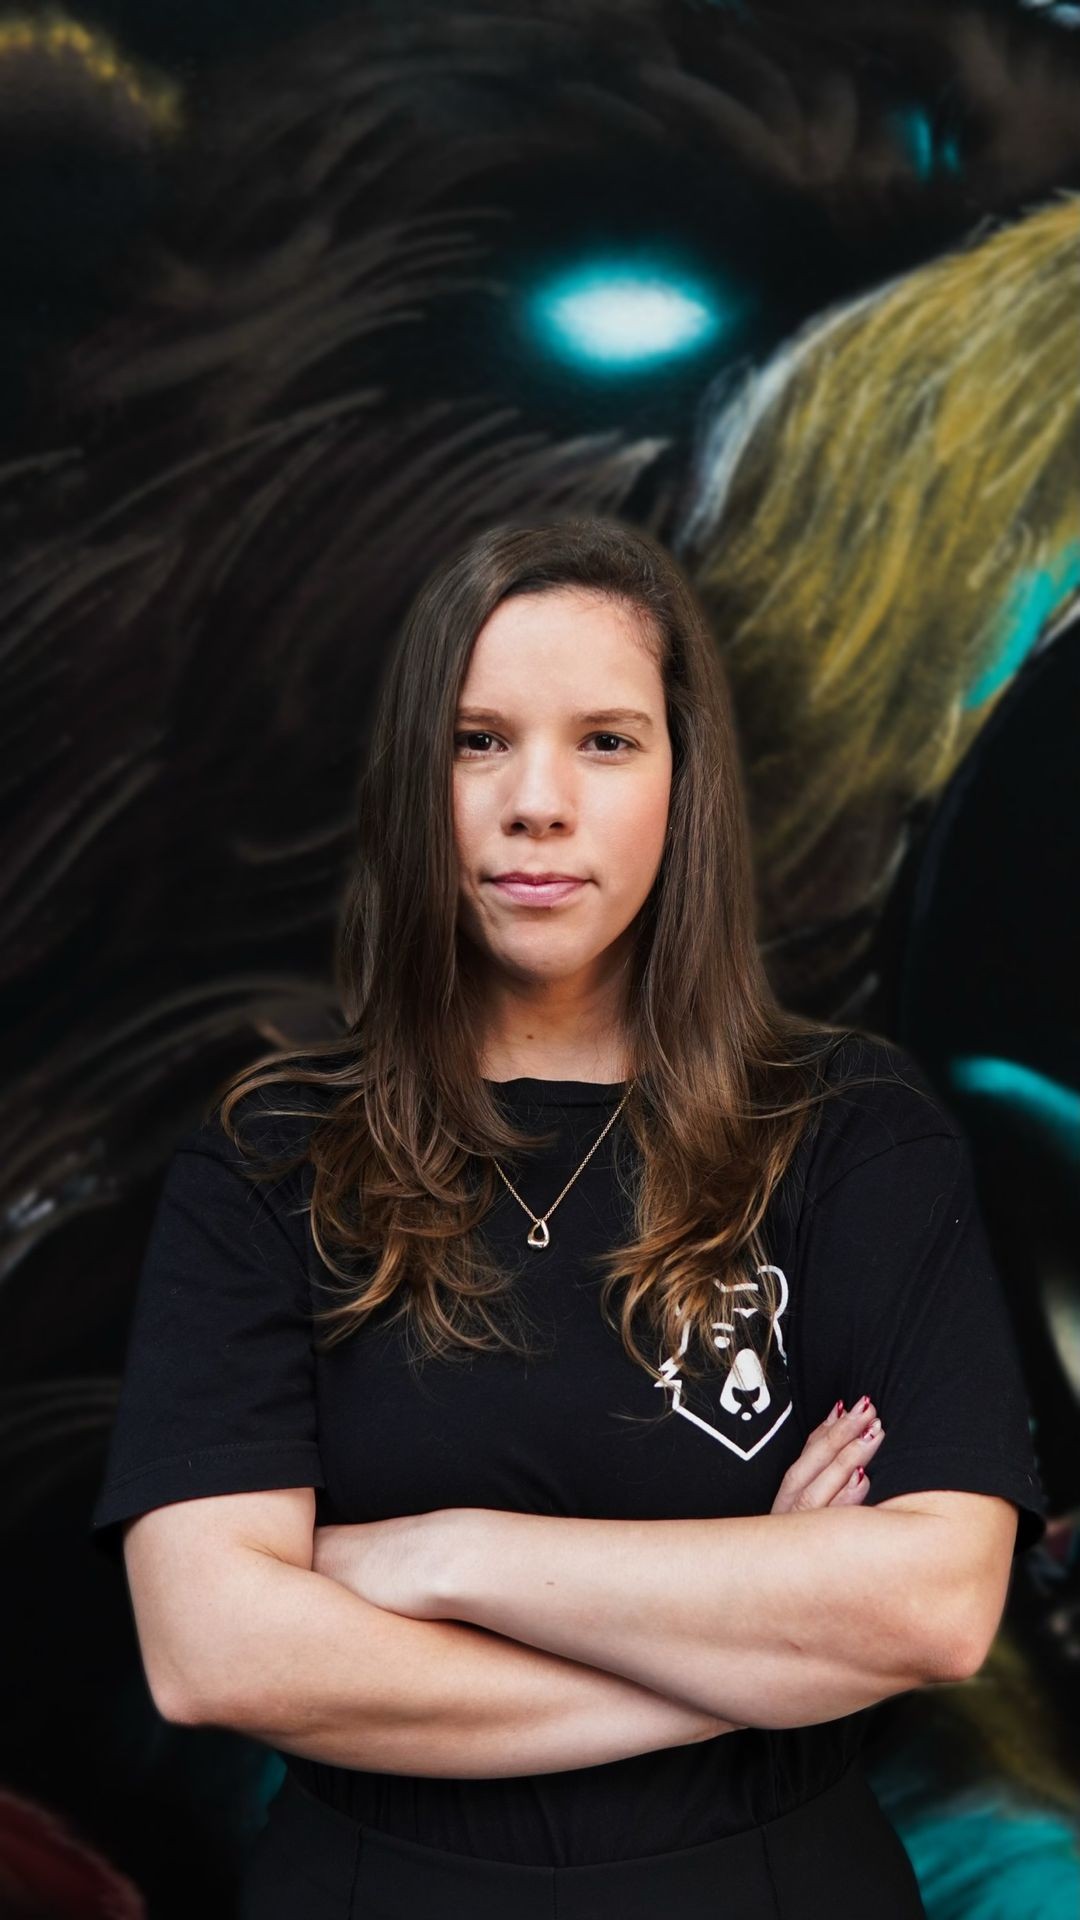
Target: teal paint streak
985, 1862
1032, 599
1055, 1108
911, 129
271, 1778
980, 1852
927, 152
1061, 15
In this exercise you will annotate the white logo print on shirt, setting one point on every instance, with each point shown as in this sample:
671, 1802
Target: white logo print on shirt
746, 1393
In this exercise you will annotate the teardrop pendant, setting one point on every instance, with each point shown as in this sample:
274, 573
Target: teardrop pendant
541, 1228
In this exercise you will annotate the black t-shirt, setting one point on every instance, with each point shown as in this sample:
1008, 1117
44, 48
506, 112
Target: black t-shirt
887, 1288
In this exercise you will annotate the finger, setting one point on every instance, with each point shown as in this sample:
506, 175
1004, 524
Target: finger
816, 1478
841, 1474
828, 1442
843, 1420
854, 1490
838, 1427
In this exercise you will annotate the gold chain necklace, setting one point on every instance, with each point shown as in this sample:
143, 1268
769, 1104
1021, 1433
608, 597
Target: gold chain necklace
540, 1225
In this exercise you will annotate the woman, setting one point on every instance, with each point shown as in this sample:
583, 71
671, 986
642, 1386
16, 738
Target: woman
395, 1490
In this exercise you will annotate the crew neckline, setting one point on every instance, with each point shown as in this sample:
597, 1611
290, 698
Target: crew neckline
560, 1093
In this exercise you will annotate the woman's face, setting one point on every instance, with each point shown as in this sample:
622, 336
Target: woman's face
550, 777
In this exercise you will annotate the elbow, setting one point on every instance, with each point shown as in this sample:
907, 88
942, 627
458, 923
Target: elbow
177, 1700
960, 1659
972, 1648
182, 1709
173, 1701
980, 1600
168, 1679
942, 1661
957, 1646
177, 1711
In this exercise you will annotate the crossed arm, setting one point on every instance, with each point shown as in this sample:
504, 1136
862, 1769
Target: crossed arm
250, 1616
774, 1620
479, 1642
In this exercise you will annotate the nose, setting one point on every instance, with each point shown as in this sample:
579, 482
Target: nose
541, 797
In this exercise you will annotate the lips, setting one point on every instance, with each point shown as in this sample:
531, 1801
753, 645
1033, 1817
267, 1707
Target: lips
526, 876
537, 893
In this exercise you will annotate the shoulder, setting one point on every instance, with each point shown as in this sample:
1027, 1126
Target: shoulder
269, 1129
879, 1099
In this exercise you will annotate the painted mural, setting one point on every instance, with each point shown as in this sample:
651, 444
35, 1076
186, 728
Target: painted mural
296, 299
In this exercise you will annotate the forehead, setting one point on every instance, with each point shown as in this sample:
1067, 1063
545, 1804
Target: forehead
569, 640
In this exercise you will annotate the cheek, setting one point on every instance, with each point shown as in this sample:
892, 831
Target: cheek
633, 840
467, 821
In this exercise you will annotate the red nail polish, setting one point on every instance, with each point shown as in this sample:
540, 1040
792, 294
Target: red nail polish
859, 1476
864, 1403
838, 1409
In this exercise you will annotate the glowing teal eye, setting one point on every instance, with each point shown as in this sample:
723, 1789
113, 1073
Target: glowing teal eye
619, 318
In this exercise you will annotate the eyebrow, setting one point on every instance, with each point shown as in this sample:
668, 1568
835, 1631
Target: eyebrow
631, 715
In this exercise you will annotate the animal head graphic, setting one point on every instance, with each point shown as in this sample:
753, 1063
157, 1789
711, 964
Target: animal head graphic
746, 1399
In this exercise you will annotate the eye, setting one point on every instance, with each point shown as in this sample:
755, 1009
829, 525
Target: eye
460, 738
481, 755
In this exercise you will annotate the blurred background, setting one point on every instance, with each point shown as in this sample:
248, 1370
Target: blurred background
298, 296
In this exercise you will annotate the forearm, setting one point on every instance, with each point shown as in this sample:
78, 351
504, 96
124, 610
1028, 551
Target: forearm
311, 1668
771, 1620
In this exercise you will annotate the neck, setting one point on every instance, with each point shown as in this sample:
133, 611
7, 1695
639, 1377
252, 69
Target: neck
604, 1066
572, 1029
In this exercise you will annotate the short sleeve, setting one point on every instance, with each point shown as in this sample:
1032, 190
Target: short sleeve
899, 1298
217, 1393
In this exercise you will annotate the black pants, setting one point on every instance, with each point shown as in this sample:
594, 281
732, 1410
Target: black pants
311, 1862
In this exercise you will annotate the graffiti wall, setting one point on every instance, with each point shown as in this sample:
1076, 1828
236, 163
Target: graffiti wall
296, 299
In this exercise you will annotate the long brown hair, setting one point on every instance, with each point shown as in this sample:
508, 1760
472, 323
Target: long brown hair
724, 1080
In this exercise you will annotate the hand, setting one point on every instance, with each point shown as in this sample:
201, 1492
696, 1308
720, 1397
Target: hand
822, 1474
392, 1563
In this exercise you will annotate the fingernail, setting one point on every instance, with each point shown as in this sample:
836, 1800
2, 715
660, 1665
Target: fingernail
863, 1403
838, 1409
856, 1477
